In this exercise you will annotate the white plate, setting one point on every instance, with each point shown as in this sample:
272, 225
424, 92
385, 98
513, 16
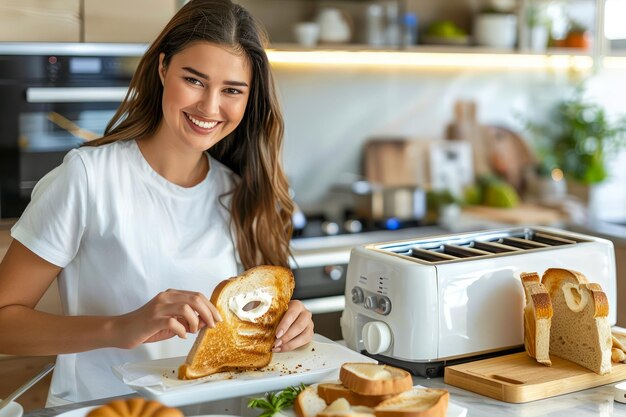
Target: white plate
217, 415
13, 409
319, 360
79, 412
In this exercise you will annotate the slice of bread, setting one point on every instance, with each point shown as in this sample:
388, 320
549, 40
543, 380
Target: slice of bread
374, 379
333, 391
537, 318
251, 306
342, 408
580, 329
308, 403
417, 402
619, 340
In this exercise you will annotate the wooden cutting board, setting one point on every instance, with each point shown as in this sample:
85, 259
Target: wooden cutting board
517, 378
523, 214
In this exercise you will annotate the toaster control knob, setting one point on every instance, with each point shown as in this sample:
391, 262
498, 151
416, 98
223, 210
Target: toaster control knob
371, 302
384, 305
357, 295
376, 337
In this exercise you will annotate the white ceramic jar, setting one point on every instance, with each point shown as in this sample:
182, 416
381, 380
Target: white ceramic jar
495, 30
334, 25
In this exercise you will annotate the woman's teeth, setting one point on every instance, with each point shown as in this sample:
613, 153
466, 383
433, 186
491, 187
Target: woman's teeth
205, 125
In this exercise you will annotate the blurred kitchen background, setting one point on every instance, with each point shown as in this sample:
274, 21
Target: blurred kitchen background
352, 73
407, 116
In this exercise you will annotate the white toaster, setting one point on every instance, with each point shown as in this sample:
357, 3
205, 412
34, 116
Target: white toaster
424, 303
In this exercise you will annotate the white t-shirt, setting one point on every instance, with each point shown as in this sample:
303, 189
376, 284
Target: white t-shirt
122, 233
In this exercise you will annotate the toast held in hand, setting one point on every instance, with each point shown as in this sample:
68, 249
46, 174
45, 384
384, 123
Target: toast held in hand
251, 306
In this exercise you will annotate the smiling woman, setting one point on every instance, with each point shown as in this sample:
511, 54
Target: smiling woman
205, 92
184, 190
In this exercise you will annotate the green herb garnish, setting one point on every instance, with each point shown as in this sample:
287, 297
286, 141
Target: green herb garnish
273, 403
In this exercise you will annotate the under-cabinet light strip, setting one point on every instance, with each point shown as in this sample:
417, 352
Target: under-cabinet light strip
431, 60
614, 62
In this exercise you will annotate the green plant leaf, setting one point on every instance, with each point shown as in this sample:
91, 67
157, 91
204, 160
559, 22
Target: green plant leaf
273, 403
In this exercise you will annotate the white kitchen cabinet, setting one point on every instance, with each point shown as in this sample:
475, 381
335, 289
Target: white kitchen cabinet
128, 21
40, 20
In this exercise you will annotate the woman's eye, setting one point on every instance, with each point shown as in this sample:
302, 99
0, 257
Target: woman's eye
193, 81
232, 91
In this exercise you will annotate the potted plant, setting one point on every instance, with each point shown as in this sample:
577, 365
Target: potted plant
577, 36
538, 28
579, 140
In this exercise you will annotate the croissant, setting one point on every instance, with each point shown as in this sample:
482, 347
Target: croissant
135, 407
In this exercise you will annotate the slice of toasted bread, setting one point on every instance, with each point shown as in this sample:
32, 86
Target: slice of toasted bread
342, 408
308, 403
417, 402
374, 379
333, 391
580, 329
537, 318
619, 340
618, 355
244, 339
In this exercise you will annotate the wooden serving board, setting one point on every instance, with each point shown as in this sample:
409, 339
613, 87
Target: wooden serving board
517, 378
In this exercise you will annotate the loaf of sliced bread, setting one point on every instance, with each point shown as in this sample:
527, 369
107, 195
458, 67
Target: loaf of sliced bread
308, 403
333, 391
374, 379
342, 408
416, 402
537, 318
580, 331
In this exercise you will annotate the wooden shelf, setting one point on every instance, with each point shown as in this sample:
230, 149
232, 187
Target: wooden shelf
444, 49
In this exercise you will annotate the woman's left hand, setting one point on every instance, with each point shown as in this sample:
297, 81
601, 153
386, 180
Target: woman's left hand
295, 329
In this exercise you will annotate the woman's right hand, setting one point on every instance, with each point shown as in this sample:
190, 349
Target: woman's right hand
171, 313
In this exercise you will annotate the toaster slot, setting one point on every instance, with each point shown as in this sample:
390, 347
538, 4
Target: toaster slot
551, 239
463, 251
523, 243
471, 246
494, 247
431, 255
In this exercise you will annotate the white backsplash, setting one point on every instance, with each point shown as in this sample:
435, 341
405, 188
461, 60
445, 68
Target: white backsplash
330, 113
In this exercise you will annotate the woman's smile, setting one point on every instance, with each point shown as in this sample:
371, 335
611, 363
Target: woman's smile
201, 125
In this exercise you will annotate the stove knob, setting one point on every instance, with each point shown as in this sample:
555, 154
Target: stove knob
376, 337
353, 226
371, 302
334, 272
357, 295
330, 228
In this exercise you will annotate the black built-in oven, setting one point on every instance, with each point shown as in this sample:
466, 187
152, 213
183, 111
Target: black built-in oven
54, 97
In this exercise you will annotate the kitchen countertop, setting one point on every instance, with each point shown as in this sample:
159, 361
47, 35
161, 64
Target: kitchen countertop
591, 402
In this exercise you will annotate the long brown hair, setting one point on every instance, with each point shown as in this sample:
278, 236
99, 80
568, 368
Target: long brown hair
261, 208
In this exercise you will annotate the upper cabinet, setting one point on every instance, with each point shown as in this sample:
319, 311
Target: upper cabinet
135, 21
126, 21
40, 20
